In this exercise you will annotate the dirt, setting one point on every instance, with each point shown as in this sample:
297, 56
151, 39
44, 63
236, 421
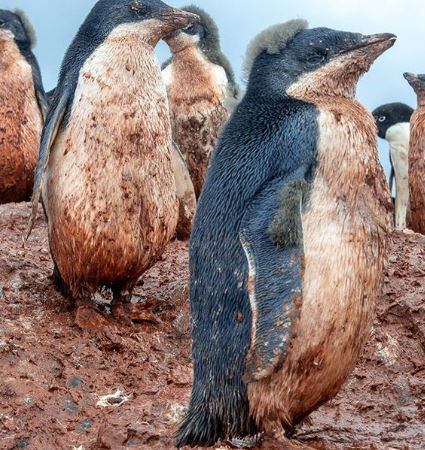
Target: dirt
55, 377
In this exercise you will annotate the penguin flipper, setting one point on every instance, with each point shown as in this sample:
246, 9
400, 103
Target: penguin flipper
275, 279
53, 122
185, 194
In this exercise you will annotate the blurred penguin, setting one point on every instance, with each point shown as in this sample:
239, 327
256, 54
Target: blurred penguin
393, 122
417, 156
22, 107
201, 89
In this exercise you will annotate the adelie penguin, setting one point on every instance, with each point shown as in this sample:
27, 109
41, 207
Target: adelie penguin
22, 107
290, 238
417, 156
201, 89
105, 169
393, 122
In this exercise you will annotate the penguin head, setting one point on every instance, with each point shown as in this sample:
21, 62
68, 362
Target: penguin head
303, 63
15, 25
418, 84
204, 34
151, 20
386, 116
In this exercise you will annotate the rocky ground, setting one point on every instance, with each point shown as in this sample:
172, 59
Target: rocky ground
115, 386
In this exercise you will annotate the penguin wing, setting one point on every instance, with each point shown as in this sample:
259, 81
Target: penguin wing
41, 96
38, 84
50, 130
275, 277
185, 194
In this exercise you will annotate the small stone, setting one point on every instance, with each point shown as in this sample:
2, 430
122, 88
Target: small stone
75, 382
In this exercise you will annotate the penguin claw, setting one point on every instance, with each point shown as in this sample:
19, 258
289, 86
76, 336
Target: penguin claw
246, 442
122, 313
88, 318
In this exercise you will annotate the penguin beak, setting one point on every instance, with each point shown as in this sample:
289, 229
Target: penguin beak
176, 19
375, 43
416, 81
414, 78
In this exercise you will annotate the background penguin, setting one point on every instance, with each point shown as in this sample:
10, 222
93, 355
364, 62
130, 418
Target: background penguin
279, 318
393, 122
200, 82
105, 168
22, 107
417, 156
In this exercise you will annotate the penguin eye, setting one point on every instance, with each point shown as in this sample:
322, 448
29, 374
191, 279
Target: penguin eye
317, 58
191, 30
382, 119
2, 22
140, 9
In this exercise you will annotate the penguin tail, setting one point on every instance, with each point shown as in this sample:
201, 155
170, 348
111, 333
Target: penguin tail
205, 425
199, 428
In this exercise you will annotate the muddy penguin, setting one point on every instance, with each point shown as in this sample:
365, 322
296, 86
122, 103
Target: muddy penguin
22, 107
200, 85
417, 156
290, 237
393, 122
105, 168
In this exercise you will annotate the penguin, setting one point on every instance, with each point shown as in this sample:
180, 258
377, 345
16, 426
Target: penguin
201, 86
105, 170
393, 122
290, 238
22, 107
417, 156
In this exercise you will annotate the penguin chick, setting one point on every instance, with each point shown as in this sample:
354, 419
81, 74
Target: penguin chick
199, 80
22, 107
105, 167
278, 329
417, 156
286, 229
393, 122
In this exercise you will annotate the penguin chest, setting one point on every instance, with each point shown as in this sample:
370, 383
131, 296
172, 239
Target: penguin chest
20, 125
196, 91
345, 226
416, 172
110, 190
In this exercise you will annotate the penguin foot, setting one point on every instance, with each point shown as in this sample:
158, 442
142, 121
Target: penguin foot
87, 317
247, 442
121, 311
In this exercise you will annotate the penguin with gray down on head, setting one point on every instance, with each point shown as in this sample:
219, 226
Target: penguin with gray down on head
105, 170
290, 238
22, 106
201, 86
393, 122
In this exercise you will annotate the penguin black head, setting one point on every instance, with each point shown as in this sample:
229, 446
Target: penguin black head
16, 24
294, 60
389, 115
206, 36
152, 19
418, 84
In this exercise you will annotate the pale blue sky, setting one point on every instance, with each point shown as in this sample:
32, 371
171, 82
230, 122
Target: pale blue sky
56, 22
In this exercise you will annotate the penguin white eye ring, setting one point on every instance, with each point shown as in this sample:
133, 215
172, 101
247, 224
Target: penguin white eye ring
382, 119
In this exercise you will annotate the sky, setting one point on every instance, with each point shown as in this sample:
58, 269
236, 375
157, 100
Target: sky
57, 21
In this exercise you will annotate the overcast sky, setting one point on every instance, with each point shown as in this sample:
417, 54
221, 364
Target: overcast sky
56, 22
